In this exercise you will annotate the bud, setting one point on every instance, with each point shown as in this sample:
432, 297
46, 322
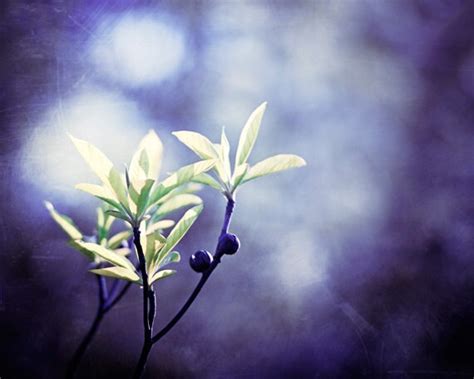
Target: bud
228, 244
200, 261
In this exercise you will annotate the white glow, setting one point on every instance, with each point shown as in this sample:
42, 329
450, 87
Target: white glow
115, 125
301, 261
138, 49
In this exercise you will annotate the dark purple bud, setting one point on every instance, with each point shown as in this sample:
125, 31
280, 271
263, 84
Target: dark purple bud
228, 244
200, 261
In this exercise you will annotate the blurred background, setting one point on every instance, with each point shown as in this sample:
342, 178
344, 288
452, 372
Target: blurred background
359, 265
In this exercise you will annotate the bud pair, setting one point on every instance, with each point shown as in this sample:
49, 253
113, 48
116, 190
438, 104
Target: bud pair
201, 260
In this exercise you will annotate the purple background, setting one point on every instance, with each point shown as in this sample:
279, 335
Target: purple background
359, 265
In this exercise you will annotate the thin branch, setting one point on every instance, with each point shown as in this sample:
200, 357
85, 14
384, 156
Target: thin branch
79, 353
186, 305
152, 312
228, 215
146, 287
147, 323
103, 292
225, 227
110, 303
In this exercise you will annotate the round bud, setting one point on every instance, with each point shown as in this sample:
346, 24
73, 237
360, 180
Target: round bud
228, 244
200, 261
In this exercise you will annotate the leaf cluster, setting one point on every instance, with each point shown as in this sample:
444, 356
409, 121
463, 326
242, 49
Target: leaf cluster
223, 177
143, 202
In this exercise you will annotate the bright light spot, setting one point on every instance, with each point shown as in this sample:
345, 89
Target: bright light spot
112, 123
301, 261
138, 50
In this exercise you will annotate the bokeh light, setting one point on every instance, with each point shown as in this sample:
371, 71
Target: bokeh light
138, 49
358, 265
113, 123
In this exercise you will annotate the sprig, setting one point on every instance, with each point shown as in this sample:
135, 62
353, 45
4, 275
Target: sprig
224, 179
142, 202
132, 195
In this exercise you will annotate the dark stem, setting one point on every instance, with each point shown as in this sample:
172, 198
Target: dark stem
146, 287
106, 302
103, 292
225, 227
76, 359
79, 354
152, 313
186, 305
111, 302
140, 368
147, 296
228, 215
113, 288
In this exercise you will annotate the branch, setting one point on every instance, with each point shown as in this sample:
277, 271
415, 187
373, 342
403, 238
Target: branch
146, 287
103, 292
225, 227
110, 303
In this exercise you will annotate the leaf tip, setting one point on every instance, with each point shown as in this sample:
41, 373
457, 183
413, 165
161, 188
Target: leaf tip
198, 208
177, 133
48, 205
73, 139
152, 135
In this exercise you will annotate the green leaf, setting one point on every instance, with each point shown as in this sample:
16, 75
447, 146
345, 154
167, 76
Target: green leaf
101, 193
239, 174
144, 197
147, 240
274, 164
96, 160
189, 187
101, 230
161, 275
116, 240
146, 161
127, 177
160, 225
120, 215
106, 254
183, 175
172, 257
118, 272
159, 237
179, 230
134, 195
100, 218
109, 220
208, 180
249, 135
123, 251
219, 167
118, 186
177, 202
96, 190
197, 143
64, 222
224, 156
88, 254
